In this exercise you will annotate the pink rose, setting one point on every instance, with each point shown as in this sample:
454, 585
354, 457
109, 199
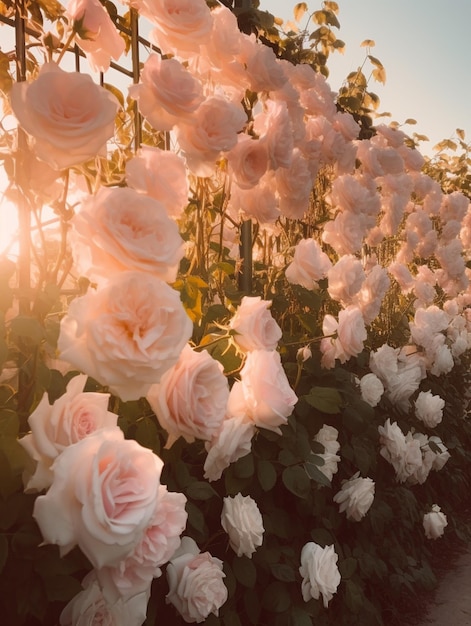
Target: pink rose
102, 497
259, 202
167, 92
231, 443
264, 71
309, 264
248, 161
213, 130
95, 33
69, 419
273, 125
345, 278
263, 394
195, 581
182, 26
254, 326
190, 400
162, 175
294, 185
351, 335
127, 334
91, 606
120, 229
68, 115
158, 543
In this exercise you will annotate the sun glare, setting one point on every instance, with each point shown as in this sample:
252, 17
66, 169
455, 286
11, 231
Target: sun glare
8, 221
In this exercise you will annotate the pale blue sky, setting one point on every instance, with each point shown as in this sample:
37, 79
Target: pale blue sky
424, 47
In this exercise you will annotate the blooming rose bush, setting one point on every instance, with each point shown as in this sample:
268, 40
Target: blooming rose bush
232, 282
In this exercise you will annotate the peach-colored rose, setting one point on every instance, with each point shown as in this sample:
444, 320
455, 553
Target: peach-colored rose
181, 26
127, 334
102, 497
232, 442
95, 33
259, 202
273, 125
213, 130
248, 161
254, 325
294, 185
195, 581
309, 264
264, 71
167, 92
263, 394
158, 543
190, 400
68, 115
162, 175
345, 278
55, 426
120, 229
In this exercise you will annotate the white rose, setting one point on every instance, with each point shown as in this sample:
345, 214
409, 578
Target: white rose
434, 523
91, 606
242, 521
69, 419
102, 497
231, 443
327, 436
429, 408
195, 581
309, 264
320, 573
70, 117
120, 229
345, 278
371, 389
263, 394
127, 334
190, 400
355, 497
254, 325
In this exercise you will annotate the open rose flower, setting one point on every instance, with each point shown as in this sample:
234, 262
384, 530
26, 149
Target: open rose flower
263, 394
355, 497
91, 606
242, 521
254, 325
120, 229
190, 400
127, 334
102, 497
309, 264
162, 175
320, 572
195, 581
69, 419
327, 436
429, 408
68, 115
371, 389
167, 93
434, 522
95, 33
232, 442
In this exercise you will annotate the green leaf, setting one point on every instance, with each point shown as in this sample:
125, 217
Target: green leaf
147, 434
195, 517
347, 567
9, 423
3, 551
61, 588
276, 598
283, 572
200, 490
300, 617
230, 618
245, 571
27, 327
244, 467
315, 473
296, 480
353, 596
266, 474
325, 399
252, 606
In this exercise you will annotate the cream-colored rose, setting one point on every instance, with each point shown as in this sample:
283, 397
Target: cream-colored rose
69, 419
195, 581
191, 399
68, 115
92, 606
371, 389
102, 497
127, 334
263, 394
429, 408
231, 443
120, 229
243, 522
162, 175
320, 573
327, 436
167, 93
254, 325
434, 522
309, 264
355, 497
95, 33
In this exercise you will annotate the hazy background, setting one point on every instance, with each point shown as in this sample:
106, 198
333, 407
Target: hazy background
424, 47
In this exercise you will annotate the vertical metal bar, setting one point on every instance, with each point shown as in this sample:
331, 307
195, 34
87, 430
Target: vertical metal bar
136, 71
245, 250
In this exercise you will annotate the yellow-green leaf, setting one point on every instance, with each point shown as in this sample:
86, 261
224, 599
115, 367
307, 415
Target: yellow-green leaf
299, 10
379, 74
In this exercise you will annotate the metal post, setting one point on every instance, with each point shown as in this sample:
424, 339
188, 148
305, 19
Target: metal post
245, 248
